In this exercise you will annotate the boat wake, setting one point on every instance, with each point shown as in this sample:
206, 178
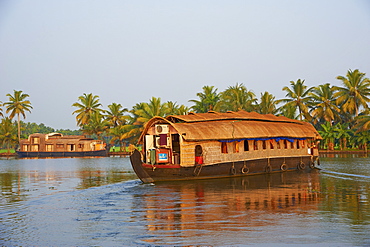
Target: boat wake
342, 175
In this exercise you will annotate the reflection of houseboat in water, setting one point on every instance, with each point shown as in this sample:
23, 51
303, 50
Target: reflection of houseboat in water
57, 145
210, 145
251, 201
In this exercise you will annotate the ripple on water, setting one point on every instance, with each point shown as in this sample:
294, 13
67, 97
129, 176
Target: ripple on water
289, 208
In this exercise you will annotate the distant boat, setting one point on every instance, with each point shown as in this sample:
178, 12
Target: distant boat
213, 144
57, 145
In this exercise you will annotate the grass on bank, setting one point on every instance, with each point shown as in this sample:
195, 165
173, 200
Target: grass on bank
6, 150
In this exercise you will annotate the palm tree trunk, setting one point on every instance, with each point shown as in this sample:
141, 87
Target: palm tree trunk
19, 129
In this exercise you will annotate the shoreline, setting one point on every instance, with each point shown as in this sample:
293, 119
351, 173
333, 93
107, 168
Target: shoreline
321, 152
342, 151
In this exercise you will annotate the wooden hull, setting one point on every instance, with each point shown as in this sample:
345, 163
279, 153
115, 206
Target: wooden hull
96, 153
149, 174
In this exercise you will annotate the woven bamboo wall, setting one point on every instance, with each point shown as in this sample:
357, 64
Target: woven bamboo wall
212, 152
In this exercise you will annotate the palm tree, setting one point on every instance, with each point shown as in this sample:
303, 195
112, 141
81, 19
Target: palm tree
131, 132
117, 134
8, 133
152, 109
343, 133
236, 98
298, 97
328, 135
116, 115
175, 109
267, 104
182, 110
355, 92
141, 114
362, 139
324, 104
362, 122
133, 129
18, 105
1, 109
288, 111
88, 105
208, 100
97, 125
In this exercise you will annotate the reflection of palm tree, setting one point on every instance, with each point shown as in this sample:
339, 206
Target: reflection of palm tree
237, 98
267, 104
355, 93
86, 107
324, 103
297, 97
18, 105
208, 100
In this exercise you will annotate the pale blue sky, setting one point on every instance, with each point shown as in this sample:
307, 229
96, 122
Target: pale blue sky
128, 51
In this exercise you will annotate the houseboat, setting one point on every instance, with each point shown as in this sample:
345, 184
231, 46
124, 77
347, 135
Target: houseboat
57, 145
213, 145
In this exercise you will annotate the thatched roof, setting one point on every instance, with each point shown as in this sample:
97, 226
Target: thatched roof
235, 125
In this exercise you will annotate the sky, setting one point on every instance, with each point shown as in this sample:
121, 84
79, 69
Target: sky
127, 52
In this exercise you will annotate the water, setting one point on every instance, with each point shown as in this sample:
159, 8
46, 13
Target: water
100, 202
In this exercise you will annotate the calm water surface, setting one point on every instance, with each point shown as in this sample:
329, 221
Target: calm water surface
100, 202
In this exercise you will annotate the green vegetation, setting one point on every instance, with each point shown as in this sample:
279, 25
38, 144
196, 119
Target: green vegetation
17, 106
339, 113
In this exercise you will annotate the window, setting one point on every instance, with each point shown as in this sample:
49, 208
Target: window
71, 147
255, 145
198, 154
35, 147
292, 145
49, 147
60, 146
278, 144
297, 144
36, 140
80, 146
264, 144
246, 145
25, 147
162, 139
285, 144
224, 147
271, 144
236, 147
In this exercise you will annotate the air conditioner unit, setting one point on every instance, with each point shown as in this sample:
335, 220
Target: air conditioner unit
161, 129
